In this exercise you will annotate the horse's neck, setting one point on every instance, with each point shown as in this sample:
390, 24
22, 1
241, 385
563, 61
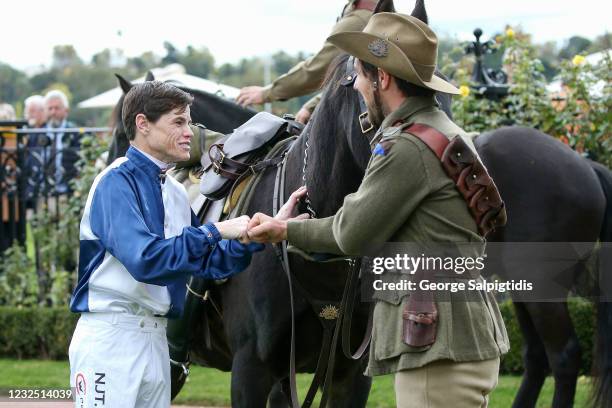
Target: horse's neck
331, 172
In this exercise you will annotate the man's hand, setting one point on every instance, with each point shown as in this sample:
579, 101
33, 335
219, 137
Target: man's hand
250, 95
303, 116
236, 228
263, 228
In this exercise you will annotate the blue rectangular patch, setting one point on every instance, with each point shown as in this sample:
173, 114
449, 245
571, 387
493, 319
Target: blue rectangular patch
379, 150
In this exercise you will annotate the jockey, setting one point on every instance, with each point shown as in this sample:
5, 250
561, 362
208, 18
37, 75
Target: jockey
140, 242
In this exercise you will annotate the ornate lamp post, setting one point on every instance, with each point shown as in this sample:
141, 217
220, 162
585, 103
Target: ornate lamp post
492, 84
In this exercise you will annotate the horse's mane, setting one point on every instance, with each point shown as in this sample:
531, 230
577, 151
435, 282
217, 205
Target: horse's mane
334, 92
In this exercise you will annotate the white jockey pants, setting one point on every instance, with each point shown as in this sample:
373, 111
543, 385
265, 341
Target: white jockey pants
119, 360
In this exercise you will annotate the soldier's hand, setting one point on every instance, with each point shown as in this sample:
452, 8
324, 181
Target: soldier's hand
303, 116
250, 95
263, 228
236, 228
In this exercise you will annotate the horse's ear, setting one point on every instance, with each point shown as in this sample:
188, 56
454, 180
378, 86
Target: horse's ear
419, 11
124, 83
149, 76
384, 6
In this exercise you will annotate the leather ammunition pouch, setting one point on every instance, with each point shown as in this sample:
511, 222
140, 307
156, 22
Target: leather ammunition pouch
236, 155
473, 181
420, 316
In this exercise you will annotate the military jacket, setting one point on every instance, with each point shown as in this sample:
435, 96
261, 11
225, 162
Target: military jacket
307, 76
406, 196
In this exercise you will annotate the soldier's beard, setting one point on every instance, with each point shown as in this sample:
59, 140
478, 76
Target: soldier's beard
375, 110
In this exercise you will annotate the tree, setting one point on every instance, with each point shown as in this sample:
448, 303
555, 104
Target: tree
199, 62
172, 54
575, 45
65, 56
14, 85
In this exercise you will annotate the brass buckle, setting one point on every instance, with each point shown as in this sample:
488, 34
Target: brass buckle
222, 156
217, 167
363, 116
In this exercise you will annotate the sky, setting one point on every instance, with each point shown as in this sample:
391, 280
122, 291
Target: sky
233, 29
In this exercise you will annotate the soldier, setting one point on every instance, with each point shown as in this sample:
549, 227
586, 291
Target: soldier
307, 76
407, 196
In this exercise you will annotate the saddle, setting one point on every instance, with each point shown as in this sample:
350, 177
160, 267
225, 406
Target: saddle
237, 155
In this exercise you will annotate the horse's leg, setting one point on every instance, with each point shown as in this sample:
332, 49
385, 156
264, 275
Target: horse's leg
277, 398
251, 380
554, 325
534, 361
350, 388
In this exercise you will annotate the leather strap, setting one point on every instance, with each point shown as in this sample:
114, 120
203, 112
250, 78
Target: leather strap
365, 5
331, 332
435, 140
351, 291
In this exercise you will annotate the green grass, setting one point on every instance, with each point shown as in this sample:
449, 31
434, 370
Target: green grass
211, 387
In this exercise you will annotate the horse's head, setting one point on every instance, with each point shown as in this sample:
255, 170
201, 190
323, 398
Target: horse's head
341, 104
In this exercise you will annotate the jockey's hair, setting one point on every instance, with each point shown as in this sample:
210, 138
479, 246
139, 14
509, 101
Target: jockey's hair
57, 94
152, 99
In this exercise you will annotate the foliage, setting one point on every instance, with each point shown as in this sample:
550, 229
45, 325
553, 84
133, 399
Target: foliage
36, 332
56, 240
578, 116
18, 281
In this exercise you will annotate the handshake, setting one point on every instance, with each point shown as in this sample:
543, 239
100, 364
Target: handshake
263, 228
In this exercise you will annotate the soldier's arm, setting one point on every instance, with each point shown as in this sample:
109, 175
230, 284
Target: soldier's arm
394, 185
307, 76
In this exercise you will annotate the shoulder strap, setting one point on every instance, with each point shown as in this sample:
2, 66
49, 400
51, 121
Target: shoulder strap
435, 140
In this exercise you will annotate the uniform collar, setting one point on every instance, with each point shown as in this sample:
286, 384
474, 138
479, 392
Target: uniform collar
146, 164
408, 108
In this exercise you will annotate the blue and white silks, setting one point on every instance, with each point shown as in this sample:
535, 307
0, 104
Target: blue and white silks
140, 242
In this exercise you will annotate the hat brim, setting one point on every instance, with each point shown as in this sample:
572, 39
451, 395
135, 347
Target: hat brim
395, 62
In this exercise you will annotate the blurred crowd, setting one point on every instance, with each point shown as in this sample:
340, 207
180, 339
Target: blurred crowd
52, 152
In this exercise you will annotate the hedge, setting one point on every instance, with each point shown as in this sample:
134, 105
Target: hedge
46, 332
36, 332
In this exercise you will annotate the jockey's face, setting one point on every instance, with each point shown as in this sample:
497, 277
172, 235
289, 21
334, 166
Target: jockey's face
169, 139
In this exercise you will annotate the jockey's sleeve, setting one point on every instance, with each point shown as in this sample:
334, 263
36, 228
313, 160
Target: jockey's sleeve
118, 223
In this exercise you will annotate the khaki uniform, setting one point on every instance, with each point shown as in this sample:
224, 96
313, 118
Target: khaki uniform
406, 196
308, 75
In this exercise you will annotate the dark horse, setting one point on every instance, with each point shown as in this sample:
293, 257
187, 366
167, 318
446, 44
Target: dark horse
551, 193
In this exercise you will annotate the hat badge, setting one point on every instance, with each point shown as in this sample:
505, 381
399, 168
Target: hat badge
379, 48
